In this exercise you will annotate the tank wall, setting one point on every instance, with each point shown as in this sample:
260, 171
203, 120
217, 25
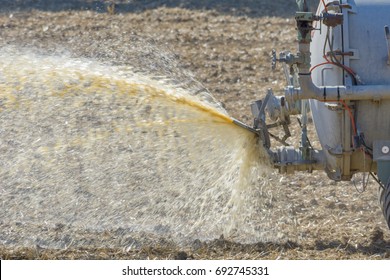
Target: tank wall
328, 123
363, 33
367, 35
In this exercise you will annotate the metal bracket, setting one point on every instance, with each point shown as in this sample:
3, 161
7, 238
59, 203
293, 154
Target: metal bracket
286, 130
381, 150
355, 54
387, 35
352, 53
381, 154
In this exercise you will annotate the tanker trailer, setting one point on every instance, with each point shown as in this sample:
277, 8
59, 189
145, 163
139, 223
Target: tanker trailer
341, 73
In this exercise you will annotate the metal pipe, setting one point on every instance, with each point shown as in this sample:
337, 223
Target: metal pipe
288, 159
308, 90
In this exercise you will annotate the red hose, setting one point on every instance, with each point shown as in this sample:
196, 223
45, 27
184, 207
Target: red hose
323, 3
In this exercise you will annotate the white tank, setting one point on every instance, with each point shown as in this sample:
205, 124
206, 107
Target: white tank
343, 69
361, 45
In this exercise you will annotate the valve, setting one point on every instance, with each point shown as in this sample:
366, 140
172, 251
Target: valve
285, 57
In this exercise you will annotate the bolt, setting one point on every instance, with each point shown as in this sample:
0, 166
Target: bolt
385, 149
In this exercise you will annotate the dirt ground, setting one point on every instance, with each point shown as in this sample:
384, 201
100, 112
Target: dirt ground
227, 46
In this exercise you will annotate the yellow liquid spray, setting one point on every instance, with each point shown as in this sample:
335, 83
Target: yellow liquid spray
93, 147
